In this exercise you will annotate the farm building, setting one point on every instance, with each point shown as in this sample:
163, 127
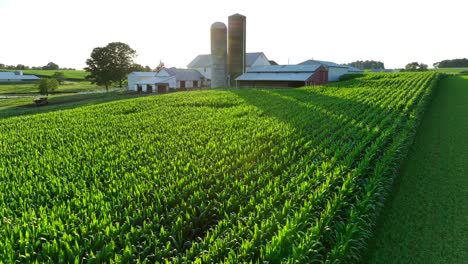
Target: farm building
352, 69
17, 77
202, 63
334, 70
164, 80
383, 70
283, 76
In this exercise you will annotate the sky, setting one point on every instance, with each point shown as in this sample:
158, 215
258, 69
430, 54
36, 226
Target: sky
396, 32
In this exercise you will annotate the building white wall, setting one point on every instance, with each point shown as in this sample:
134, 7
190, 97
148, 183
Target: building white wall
206, 72
189, 84
172, 82
132, 79
163, 73
260, 61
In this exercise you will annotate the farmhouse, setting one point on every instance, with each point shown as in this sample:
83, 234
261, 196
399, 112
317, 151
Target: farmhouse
17, 77
334, 70
164, 80
202, 63
283, 76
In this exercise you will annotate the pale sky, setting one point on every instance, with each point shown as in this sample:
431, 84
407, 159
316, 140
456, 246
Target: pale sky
35, 32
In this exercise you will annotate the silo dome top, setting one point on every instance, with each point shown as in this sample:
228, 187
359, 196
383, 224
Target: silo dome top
218, 25
237, 15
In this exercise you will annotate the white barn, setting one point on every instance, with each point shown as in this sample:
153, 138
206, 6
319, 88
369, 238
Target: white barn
164, 80
17, 77
202, 63
335, 71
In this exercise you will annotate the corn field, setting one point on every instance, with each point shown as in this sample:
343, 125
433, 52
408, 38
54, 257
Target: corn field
222, 176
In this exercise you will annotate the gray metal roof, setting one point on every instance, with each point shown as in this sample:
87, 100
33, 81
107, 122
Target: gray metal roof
324, 63
251, 57
284, 68
144, 74
185, 74
280, 73
275, 76
13, 76
204, 60
272, 62
354, 69
155, 80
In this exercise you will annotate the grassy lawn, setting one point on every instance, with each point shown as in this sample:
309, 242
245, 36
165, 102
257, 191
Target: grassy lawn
451, 70
28, 88
69, 74
24, 105
426, 220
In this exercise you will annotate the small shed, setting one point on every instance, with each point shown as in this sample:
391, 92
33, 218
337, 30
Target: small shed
283, 76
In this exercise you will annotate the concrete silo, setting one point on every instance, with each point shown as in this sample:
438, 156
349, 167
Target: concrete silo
218, 54
236, 46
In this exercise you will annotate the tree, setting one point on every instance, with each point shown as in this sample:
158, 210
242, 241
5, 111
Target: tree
160, 66
137, 68
47, 86
415, 66
455, 63
50, 66
110, 64
367, 65
59, 76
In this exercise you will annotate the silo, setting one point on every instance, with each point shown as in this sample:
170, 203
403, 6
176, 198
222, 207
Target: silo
218, 54
236, 46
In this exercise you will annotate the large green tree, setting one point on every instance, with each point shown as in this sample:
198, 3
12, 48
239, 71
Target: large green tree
46, 86
367, 65
59, 76
50, 66
110, 64
455, 63
415, 66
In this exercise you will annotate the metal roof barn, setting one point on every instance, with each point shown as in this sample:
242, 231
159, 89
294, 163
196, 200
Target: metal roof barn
204, 60
335, 70
16, 77
352, 69
283, 76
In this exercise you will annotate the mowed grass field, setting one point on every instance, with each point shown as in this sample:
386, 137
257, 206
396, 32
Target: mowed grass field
74, 83
31, 88
426, 220
69, 74
24, 105
452, 70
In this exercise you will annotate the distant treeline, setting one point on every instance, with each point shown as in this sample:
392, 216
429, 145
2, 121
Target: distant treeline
367, 65
456, 63
49, 66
